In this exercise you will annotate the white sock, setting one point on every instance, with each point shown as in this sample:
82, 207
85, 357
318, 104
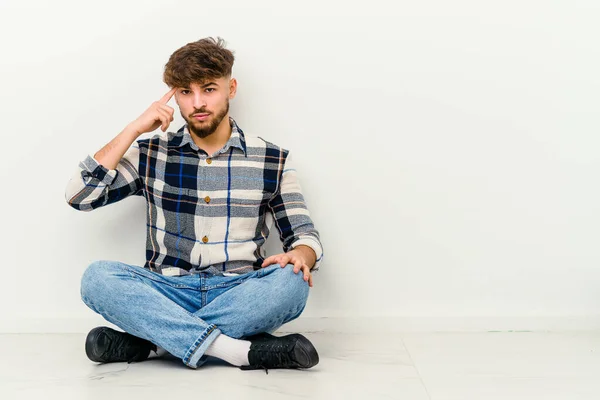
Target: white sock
234, 351
158, 353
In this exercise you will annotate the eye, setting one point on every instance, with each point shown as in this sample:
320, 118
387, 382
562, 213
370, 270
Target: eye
184, 90
211, 89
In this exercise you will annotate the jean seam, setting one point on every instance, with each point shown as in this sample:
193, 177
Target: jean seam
166, 282
226, 284
135, 276
194, 348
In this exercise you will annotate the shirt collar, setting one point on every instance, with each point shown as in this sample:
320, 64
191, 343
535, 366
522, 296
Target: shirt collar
237, 139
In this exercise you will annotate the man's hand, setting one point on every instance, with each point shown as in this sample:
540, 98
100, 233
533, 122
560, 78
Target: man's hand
300, 257
159, 113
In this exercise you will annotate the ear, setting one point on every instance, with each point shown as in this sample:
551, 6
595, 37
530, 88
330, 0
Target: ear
232, 88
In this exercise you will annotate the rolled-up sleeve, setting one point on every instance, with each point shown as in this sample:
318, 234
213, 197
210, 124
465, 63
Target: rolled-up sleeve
291, 214
93, 185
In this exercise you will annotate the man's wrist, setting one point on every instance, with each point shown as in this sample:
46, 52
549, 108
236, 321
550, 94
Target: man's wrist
308, 253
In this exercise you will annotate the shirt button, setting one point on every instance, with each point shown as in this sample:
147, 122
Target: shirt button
205, 239
208, 161
207, 199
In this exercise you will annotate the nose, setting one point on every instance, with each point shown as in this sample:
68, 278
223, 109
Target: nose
199, 101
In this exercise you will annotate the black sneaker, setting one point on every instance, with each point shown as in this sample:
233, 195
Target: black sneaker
105, 345
290, 351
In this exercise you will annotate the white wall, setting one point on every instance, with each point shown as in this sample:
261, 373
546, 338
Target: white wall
448, 151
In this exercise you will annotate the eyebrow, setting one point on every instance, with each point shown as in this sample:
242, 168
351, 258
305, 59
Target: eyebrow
204, 86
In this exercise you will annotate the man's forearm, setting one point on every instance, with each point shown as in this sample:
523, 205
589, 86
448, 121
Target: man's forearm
308, 253
110, 155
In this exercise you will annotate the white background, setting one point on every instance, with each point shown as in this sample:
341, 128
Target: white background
448, 151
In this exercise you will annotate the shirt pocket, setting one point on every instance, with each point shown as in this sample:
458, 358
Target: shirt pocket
247, 213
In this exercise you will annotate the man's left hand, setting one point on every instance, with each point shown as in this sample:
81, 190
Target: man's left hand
296, 257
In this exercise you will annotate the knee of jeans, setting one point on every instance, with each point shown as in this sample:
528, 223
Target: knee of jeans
94, 278
288, 293
292, 285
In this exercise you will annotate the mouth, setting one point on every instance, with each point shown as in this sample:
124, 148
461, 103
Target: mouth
200, 117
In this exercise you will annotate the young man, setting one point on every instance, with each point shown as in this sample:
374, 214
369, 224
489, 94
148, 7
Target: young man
212, 193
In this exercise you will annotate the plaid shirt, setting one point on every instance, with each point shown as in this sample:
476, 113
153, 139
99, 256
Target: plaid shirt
204, 213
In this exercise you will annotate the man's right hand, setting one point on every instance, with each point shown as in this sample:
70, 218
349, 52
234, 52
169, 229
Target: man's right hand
158, 114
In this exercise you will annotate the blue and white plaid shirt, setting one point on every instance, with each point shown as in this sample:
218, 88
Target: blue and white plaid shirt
204, 213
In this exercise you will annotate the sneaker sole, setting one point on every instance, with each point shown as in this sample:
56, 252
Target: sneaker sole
305, 353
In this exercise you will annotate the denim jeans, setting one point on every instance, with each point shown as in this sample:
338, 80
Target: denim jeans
185, 314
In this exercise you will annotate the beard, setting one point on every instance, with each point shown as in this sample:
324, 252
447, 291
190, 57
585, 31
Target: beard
207, 128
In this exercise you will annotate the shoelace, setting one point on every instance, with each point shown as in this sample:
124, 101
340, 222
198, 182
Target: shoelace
120, 347
273, 355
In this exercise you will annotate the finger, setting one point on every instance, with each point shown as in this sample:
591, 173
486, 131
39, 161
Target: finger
310, 280
163, 113
306, 272
278, 259
266, 264
165, 99
164, 122
168, 113
165, 118
168, 109
297, 266
268, 261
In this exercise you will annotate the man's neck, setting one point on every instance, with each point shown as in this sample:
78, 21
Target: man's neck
217, 139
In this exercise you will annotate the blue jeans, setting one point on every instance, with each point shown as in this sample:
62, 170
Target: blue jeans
185, 314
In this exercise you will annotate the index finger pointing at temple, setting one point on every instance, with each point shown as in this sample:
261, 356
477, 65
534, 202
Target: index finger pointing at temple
165, 99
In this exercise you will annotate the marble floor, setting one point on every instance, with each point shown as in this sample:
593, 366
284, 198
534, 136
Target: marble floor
467, 366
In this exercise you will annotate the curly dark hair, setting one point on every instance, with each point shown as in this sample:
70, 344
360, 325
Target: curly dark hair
197, 62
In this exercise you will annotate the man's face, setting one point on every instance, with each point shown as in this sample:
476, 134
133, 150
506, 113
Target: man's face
204, 105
